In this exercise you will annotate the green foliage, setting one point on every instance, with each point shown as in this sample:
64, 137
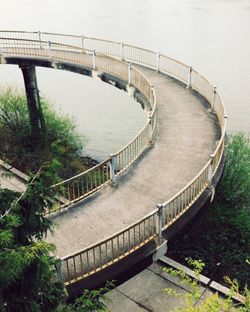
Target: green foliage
195, 299
26, 261
234, 189
91, 300
18, 149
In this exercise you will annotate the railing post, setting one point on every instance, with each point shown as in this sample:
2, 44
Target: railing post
129, 73
94, 59
151, 94
189, 85
158, 61
40, 38
49, 48
58, 266
151, 129
159, 224
82, 39
211, 169
112, 168
121, 50
214, 98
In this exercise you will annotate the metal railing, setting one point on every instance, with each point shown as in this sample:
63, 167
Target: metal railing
110, 250
102, 254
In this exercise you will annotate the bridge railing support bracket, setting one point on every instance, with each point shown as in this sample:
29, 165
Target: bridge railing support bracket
160, 251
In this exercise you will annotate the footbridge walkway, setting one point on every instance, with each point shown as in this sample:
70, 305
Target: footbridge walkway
153, 182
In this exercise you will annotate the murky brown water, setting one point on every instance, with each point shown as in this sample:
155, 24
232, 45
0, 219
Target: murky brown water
213, 36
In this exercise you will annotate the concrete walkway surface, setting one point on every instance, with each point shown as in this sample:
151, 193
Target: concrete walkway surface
10, 181
186, 135
145, 291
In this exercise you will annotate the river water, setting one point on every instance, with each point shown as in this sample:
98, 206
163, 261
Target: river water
213, 36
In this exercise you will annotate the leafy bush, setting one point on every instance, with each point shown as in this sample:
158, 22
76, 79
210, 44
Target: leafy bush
26, 261
234, 189
17, 147
196, 300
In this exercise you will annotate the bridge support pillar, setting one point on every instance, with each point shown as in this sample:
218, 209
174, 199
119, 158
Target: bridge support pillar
33, 100
160, 251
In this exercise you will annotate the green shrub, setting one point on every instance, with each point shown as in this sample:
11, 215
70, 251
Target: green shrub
234, 189
17, 147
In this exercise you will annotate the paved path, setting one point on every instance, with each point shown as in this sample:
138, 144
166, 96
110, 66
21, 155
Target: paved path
145, 292
186, 136
9, 181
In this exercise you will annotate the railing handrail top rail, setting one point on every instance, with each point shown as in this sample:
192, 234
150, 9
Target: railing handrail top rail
41, 32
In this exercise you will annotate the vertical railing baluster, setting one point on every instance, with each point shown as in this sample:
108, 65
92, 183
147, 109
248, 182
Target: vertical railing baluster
88, 264
106, 252
81, 264
100, 256
121, 50
74, 265
118, 246
112, 248
49, 50
67, 265
94, 258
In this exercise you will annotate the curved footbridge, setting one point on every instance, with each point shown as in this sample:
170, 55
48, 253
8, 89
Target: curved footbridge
157, 182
